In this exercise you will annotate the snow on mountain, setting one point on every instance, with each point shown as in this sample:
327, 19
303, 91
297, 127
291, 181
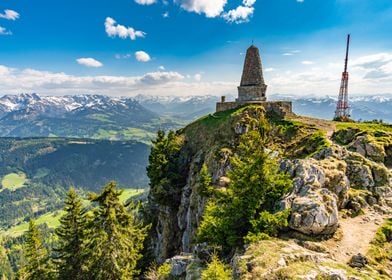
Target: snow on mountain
365, 107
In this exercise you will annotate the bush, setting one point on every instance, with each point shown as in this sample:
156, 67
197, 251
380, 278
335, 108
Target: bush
216, 270
156, 272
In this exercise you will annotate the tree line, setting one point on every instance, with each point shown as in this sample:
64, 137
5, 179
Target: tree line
104, 242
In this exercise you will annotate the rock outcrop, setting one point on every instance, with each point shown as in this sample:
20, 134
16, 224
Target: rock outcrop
326, 178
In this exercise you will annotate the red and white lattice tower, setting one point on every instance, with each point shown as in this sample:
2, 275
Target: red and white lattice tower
342, 108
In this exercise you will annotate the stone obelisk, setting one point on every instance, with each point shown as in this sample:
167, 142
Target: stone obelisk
252, 87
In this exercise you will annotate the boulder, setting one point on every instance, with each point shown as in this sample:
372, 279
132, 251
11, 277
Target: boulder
185, 267
368, 148
314, 199
358, 261
315, 214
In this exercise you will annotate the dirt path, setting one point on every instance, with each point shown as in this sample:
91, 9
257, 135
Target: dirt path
328, 126
355, 235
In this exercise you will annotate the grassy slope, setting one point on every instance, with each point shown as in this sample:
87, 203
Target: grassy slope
13, 181
52, 218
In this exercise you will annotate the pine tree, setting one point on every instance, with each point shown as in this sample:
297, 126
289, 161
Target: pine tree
114, 238
247, 207
163, 169
216, 270
70, 239
5, 266
205, 188
36, 267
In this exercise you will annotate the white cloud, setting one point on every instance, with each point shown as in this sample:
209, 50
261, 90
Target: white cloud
89, 62
288, 54
197, 77
307, 62
10, 15
145, 2
376, 66
156, 78
211, 8
165, 14
45, 82
300, 1
113, 29
249, 3
161, 68
239, 15
269, 69
142, 56
4, 31
4, 70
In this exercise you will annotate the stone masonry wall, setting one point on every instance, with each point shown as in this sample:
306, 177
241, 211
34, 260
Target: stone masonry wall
281, 108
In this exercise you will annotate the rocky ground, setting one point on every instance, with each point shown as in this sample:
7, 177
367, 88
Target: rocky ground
342, 193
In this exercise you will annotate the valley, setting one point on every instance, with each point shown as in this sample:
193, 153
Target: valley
36, 172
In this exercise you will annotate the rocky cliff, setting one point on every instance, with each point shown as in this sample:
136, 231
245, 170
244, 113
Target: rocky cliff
339, 172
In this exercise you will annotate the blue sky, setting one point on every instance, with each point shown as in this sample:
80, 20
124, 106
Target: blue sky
191, 47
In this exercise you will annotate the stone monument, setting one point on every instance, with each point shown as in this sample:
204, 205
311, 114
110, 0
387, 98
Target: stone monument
252, 89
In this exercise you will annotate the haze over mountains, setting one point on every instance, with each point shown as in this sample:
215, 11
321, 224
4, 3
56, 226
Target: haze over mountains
138, 118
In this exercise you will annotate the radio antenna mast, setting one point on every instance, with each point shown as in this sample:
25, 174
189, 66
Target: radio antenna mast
342, 109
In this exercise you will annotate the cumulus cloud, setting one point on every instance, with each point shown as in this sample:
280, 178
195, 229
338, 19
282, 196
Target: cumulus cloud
10, 15
197, 77
240, 14
89, 62
145, 2
249, 3
156, 78
113, 29
211, 8
4, 70
307, 62
142, 56
376, 66
4, 31
46, 82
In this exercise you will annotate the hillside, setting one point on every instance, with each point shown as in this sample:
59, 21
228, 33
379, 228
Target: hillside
82, 116
36, 172
338, 202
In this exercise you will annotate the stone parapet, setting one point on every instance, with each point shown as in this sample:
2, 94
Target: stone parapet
281, 108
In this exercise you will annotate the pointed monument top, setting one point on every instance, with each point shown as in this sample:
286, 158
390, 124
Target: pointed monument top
252, 74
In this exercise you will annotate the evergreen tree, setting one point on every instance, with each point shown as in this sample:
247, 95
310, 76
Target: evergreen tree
205, 188
70, 239
114, 238
36, 267
163, 169
247, 207
5, 266
216, 270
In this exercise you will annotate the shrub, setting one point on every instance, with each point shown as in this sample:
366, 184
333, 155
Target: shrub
216, 270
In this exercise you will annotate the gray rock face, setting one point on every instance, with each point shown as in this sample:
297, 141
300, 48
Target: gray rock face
185, 267
310, 215
314, 208
368, 149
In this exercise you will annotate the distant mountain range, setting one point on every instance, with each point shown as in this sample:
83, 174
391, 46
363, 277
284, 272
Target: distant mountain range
138, 118
82, 116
